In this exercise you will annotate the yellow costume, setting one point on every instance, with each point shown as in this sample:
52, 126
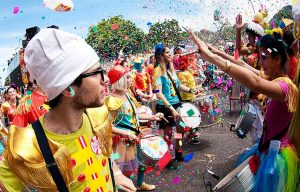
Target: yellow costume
187, 79
82, 157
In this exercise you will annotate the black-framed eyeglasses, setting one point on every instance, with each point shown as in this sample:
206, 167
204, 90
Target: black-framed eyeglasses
98, 71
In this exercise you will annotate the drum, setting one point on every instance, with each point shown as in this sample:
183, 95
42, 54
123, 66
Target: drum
189, 114
249, 115
151, 149
144, 110
241, 179
208, 105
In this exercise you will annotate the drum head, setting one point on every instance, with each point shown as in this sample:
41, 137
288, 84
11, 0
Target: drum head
226, 181
153, 146
190, 114
144, 110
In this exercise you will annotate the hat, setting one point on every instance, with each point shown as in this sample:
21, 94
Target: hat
256, 28
116, 73
55, 58
183, 62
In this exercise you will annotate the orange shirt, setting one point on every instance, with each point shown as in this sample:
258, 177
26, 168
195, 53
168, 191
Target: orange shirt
31, 107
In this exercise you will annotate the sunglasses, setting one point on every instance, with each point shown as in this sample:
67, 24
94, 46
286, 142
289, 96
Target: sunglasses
98, 71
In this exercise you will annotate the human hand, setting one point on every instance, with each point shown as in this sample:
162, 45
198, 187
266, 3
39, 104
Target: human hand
239, 22
132, 137
158, 116
124, 183
213, 49
174, 113
202, 47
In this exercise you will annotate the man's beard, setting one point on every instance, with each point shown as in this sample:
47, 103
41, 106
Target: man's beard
82, 101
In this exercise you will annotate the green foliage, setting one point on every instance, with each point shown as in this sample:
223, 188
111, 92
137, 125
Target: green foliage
167, 32
108, 37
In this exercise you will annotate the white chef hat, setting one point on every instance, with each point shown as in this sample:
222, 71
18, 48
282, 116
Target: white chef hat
55, 58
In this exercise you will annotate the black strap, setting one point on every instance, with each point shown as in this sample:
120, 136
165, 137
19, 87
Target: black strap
134, 114
265, 144
176, 90
130, 128
112, 175
48, 157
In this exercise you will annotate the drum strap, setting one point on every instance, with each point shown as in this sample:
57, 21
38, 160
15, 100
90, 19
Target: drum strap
48, 157
176, 90
265, 144
135, 116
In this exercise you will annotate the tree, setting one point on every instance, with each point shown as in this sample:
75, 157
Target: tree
108, 37
167, 32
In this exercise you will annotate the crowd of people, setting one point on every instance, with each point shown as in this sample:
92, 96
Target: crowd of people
80, 125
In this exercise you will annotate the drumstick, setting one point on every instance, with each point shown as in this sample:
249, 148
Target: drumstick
186, 116
166, 119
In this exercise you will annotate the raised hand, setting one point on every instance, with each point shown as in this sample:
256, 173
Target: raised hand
239, 22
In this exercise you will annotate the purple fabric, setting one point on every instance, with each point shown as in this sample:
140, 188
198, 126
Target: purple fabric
277, 117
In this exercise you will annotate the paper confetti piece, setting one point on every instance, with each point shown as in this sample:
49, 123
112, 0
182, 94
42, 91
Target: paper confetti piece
115, 156
95, 29
176, 180
188, 157
177, 135
218, 110
43, 17
236, 54
114, 26
180, 143
171, 147
182, 124
164, 160
16, 10
155, 91
190, 112
229, 83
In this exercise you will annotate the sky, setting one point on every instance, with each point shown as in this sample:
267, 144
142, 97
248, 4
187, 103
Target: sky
196, 14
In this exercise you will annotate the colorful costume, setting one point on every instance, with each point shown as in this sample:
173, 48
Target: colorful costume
9, 109
31, 107
277, 169
186, 78
125, 120
82, 157
141, 81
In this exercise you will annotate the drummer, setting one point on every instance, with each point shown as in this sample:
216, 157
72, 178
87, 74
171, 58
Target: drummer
141, 82
186, 78
169, 98
126, 128
281, 96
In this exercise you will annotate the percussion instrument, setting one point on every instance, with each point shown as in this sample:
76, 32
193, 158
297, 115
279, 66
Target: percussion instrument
241, 179
190, 114
246, 120
208, 105
151, 149
144, 110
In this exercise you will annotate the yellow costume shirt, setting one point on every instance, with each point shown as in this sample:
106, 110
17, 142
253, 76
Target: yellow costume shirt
187, 79
91, 170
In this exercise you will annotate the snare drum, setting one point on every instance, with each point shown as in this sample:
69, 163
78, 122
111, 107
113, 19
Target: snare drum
251, 119
208, 105
241, 179
151, 149
190, 114
144, 110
